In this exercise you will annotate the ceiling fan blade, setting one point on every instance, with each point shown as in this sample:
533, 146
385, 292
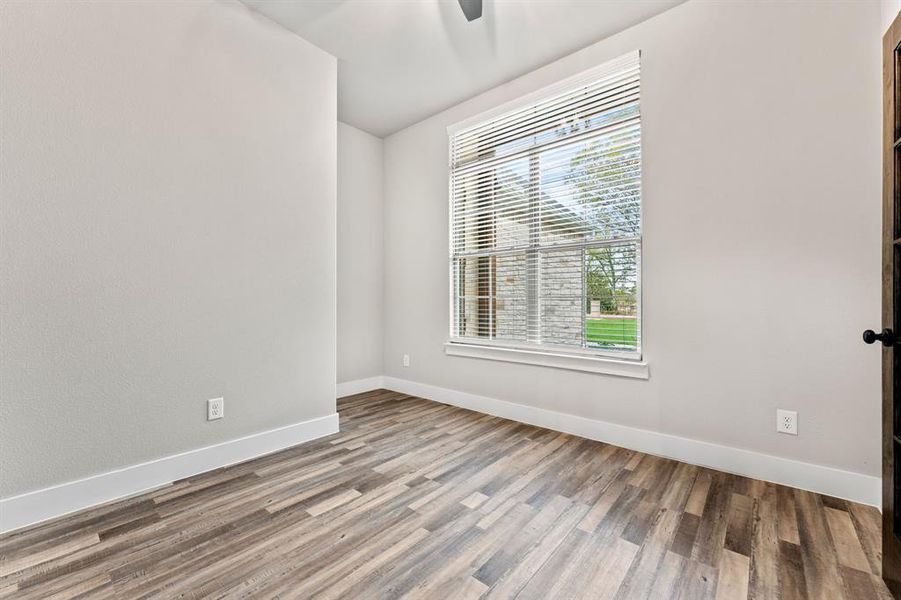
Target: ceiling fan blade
471, 8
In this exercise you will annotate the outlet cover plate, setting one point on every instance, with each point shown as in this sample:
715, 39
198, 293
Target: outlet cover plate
787, 421
215, 409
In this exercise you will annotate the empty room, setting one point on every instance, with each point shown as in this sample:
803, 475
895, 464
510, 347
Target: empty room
450, 299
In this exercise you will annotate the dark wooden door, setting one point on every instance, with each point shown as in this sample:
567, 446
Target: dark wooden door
891, 269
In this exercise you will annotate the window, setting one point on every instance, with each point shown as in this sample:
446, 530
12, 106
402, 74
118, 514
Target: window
545, 219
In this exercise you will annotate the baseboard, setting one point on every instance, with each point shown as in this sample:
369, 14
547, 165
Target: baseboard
41, 505
358, 386
865, 489
34, 507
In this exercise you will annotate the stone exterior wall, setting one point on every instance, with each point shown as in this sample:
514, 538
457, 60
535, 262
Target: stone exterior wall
560, 294
512, 299
560, 297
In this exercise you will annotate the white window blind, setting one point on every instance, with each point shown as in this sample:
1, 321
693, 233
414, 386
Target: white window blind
546, 218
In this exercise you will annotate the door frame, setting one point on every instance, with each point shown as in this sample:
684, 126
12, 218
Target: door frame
891, 128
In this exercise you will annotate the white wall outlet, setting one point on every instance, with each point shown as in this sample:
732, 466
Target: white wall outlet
406, 360
215, 409
787, 421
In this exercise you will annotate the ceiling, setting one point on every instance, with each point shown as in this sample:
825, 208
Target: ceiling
400, 61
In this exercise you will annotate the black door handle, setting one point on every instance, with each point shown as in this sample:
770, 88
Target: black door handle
887, 337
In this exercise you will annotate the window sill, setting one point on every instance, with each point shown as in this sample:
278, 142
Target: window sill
589, 364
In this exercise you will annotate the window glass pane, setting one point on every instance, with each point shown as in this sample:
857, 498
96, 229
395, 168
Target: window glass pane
591, 190
475, 297
511, 205
491, 208
611, 291
607, 177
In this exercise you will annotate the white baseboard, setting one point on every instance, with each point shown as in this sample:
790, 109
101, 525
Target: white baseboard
865, 489
41, 505
48, 503
358, 386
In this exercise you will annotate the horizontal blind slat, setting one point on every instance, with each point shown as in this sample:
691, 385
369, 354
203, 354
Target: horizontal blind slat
590, 114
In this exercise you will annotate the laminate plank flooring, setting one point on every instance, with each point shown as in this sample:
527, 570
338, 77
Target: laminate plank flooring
416, 499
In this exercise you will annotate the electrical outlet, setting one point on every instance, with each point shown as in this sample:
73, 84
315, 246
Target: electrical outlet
406, 360
215, 409
787, 421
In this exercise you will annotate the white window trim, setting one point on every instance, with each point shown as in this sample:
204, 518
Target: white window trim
589, 363
588, 360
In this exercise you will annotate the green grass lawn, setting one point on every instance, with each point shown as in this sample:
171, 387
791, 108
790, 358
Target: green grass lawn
610, 331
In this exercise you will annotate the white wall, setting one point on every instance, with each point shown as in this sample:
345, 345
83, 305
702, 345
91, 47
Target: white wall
360, 272
761, 265
889, 10
167, 232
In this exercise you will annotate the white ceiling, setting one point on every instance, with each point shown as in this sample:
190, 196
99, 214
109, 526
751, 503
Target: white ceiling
401, 61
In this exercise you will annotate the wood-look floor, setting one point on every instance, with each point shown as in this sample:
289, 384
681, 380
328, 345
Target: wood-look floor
419, 499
